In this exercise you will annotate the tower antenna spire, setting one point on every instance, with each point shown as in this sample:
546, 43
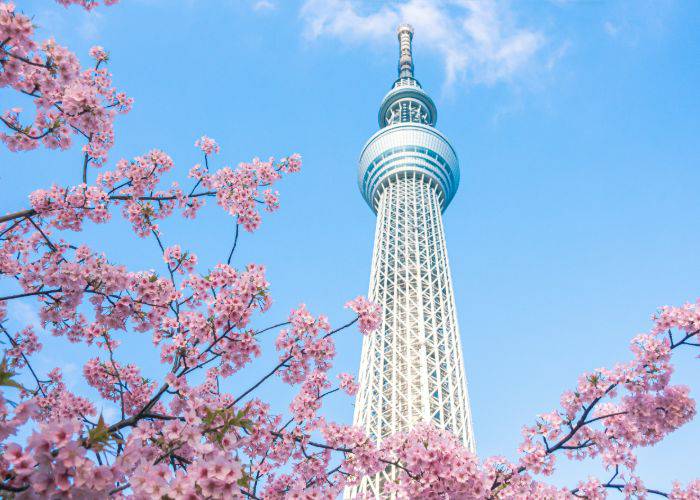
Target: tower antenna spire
405, 35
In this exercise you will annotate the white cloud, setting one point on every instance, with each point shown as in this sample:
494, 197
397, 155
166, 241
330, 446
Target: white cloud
72, 374
610, 28
24, 314
109, 413
476, 40
558, 54
91, 25
633, 23
261, 5
59, 23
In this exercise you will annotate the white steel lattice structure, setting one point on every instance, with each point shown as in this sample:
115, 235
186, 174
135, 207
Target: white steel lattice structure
411, 369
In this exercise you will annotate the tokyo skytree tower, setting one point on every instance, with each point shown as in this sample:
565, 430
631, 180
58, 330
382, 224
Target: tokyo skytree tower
411, 369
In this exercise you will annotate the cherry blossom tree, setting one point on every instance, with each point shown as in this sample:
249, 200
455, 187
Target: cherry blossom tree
184, 437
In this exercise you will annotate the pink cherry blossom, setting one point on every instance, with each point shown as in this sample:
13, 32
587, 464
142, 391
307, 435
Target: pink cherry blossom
98, 53
368, 313
87, 4
67, 101
348, 384
207, 145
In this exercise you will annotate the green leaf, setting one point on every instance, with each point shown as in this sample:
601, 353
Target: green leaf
99, 436
6, 376
247, 424
244, 481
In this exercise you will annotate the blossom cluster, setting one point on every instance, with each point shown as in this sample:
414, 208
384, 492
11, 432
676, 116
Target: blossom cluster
67, 100
303, 345
175, 436
135, 185
613, 411
348, 384
55, 463
369, 314
207, 145
86, 4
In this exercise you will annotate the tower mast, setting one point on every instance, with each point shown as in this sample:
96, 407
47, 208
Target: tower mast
411, 369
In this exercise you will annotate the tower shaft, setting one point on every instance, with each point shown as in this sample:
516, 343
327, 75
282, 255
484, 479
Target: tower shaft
411, 370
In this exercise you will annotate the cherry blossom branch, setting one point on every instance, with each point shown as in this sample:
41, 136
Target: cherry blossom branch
284, 323
28, 294
621, 487
86, 161
259, 382
582, 422
43, 234
22, 131
120, 488
119, 197
23, 59
282, 363
39, 383
233, 248
13, 489
17, 215
121, 385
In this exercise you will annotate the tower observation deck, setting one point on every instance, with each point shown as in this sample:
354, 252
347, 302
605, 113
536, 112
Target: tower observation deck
411, 369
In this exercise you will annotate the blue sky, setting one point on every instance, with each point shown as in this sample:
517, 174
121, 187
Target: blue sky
576, 124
